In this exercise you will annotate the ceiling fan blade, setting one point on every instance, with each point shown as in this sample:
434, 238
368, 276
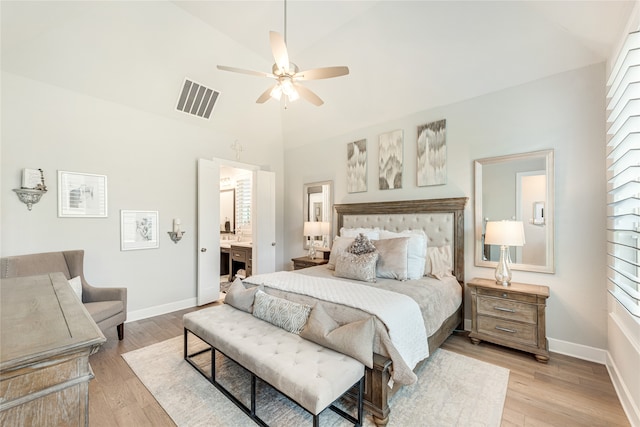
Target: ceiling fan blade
265, 95
279, 49
308, 95
322, 73
243, 71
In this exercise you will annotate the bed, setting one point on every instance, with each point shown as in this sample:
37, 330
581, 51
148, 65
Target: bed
442, 221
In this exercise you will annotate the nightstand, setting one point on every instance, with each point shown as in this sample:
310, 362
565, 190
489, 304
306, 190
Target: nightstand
305, 261
513, 316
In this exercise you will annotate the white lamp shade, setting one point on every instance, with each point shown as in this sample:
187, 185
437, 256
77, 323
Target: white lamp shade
312, 228
507, 233
325, 226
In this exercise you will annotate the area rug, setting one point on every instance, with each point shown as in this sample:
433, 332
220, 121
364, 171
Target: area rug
452, 390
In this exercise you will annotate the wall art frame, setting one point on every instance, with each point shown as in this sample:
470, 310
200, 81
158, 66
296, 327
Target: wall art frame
390, 159
139, 230
357, 166
82, 195
432, 154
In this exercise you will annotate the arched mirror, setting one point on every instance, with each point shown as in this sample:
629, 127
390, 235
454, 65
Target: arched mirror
317, 208
516, 187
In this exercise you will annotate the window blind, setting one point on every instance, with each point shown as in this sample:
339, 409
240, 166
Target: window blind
623, 175
243, 202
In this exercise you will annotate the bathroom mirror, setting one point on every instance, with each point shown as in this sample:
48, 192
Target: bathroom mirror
517, 187
228, 211
318, 206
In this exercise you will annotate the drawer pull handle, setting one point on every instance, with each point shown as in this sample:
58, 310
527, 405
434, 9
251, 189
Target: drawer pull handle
500, 328
509, 310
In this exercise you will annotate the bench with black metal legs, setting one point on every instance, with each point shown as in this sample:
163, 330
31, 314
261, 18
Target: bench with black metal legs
310, 375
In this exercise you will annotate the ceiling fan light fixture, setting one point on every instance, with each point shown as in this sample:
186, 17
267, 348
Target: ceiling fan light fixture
276, 92
293, 96
287, 74
287, 87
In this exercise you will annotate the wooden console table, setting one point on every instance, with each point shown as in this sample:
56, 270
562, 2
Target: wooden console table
47, 337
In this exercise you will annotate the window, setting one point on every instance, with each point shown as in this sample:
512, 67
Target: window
623, 174
243, 203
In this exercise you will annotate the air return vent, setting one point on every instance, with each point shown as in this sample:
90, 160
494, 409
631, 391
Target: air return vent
196, 99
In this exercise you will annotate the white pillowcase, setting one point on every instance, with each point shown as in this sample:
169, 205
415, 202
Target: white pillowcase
76, 285
371, 233
416, 250
339, 247
440, 262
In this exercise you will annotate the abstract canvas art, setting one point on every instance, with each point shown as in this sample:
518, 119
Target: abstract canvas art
390, 160
432, 153
357, 166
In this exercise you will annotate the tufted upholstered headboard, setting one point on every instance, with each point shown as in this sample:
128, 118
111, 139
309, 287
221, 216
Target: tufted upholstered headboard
441, 219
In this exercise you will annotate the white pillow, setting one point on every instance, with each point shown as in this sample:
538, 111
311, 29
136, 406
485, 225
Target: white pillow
440, 262
371, 233
76, 285
416, 250
339, 247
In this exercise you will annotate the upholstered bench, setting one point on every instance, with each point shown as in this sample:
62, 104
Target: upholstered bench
307, 373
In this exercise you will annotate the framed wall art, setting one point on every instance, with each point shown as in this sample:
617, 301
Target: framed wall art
390, 160
82, 195
357, 166
138, 230
432, 153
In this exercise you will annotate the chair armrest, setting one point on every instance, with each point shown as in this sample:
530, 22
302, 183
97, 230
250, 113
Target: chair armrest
95, 294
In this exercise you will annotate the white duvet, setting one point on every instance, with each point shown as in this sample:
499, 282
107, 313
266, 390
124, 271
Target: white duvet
400, 314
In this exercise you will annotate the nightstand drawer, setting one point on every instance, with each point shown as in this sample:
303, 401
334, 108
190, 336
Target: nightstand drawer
507, 295
508, 309
523, 333
239, 255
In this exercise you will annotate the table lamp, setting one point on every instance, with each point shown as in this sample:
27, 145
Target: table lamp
312, 229
505, 234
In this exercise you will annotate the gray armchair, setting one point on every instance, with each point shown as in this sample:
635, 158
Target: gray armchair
107, 306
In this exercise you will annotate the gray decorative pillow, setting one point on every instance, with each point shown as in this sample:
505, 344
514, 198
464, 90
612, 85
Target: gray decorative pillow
393, 258
353, 339
283, 313
358, 267
240, 297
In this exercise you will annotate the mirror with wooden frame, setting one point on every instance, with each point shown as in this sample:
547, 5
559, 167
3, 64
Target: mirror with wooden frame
517, 187
318, 207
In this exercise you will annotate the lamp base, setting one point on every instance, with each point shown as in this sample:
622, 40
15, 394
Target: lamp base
503, 272
312, 251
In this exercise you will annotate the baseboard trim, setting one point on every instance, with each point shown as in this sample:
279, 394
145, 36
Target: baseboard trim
578, 351
631, 410
157, 310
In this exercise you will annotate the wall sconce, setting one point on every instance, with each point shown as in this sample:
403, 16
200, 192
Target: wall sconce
32, 187
505, 234
176, 234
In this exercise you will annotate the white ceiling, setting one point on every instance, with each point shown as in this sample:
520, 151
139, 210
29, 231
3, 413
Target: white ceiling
404, 56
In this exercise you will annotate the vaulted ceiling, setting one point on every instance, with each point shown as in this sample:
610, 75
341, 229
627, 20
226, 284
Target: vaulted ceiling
404, 57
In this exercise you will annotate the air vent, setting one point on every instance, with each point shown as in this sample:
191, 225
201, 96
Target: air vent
196, 99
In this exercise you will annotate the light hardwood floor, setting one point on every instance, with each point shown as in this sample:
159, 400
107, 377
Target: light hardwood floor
564, 392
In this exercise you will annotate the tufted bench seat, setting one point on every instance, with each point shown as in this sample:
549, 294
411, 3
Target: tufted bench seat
309, 374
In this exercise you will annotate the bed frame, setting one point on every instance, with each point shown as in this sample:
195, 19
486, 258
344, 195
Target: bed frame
443, 222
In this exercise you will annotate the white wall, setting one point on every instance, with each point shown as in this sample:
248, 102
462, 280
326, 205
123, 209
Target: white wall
563, 112
150, 163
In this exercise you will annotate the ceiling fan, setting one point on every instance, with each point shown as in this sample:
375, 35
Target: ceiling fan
287, 75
